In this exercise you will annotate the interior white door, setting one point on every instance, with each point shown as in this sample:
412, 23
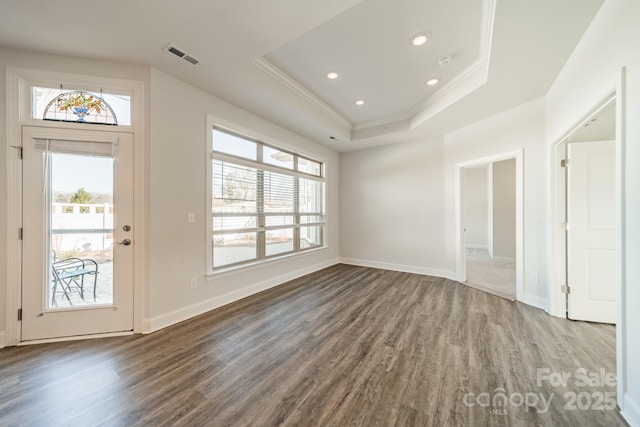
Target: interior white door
591, 210
77, 274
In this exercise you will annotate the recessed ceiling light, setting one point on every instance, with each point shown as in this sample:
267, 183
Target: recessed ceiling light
360, 102
432, 82
332, 75
419, 39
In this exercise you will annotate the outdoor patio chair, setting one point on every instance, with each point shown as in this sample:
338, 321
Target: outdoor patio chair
71, 272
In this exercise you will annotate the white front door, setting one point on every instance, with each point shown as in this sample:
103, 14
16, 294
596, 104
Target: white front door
77, 260
592, 231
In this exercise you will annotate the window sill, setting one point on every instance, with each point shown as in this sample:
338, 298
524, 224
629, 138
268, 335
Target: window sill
224, 272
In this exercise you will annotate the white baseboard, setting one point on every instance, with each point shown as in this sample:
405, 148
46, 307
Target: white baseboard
475, 246
162, 321
401, 267
631, 411
146, 325
503, 259
3, 338
535, 301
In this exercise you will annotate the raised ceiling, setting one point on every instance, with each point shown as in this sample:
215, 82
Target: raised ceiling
376, 60
271, 58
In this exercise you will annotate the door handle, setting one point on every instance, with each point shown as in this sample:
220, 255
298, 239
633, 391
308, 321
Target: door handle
125, 242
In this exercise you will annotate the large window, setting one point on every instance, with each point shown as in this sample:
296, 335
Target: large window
266, 202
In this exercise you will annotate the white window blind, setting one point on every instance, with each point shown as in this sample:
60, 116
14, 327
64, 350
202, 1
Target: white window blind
266, 202
87, 148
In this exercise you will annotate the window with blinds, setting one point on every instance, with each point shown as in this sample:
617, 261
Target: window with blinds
266, 202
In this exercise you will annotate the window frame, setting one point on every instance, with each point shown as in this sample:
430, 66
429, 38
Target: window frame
261, 228
133, 90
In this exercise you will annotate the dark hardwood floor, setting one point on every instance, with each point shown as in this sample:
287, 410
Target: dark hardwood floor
343, 346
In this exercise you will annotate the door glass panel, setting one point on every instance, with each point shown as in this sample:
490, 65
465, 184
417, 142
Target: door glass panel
80, 232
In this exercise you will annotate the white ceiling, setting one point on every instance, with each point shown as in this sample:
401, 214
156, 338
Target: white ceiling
271, 57
375, 58
600, 127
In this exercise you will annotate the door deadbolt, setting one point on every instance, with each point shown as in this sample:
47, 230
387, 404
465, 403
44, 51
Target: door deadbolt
126, 227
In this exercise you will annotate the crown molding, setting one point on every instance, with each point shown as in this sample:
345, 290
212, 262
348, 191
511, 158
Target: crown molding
281, 77
383, 122
473, 77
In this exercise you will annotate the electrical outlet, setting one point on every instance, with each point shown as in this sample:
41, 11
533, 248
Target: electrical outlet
193, 284
535, 278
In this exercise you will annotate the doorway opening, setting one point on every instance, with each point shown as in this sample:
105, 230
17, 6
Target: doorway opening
489, 212
489, 224
587, 177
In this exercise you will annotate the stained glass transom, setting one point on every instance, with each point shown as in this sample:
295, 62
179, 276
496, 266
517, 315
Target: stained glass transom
41, 97
80, 106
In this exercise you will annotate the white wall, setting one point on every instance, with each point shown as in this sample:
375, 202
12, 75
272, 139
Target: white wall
179, 154
504, 209
476, 207
175, 165
592, 71
391, 207
519, 128
385, 190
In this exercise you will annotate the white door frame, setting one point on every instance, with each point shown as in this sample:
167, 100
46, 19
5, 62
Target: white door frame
461, 273
18, 83
557, 254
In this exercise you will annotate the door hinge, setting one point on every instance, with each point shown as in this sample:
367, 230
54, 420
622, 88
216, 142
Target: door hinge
20, 233
19, 314
565, 226
565, 289
564, 163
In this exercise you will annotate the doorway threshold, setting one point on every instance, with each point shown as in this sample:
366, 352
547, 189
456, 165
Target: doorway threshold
491, 291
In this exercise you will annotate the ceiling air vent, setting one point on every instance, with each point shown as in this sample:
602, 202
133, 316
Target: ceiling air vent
180, 53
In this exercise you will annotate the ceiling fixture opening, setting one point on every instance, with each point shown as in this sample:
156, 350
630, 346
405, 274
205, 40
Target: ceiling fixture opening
332, 75
182, 54
432, 82
360, 102
419, 39
443, 61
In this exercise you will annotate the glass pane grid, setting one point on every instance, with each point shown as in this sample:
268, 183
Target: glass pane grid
283, 212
